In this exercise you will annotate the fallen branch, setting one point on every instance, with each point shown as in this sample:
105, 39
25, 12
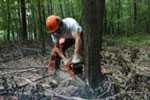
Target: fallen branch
20, 71
19, 68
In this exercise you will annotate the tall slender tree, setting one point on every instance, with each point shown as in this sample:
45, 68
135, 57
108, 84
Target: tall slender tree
148, 17
61, 8
93, 12
49, 7
41, 31
24, 35
135, 15
118, 16
19, 20
8, 20
111, 21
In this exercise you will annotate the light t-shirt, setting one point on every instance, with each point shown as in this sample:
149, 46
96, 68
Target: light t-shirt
69, 29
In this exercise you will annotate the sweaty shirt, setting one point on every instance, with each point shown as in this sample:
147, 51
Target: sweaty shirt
68, 30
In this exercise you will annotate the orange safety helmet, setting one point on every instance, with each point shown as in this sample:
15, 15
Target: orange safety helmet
52, 23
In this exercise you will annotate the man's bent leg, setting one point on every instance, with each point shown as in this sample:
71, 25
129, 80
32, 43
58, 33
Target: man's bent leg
54, 61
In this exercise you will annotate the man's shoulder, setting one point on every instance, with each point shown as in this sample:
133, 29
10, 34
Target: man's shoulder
69, 19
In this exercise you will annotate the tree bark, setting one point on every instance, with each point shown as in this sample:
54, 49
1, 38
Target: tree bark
112, 28
105, 21
49, 5
118, 16
93, 15
61, 8
24, 23
41, 31
148, 17
135, 16
8, 20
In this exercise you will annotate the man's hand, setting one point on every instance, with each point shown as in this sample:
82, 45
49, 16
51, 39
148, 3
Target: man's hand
59, 52
76, 58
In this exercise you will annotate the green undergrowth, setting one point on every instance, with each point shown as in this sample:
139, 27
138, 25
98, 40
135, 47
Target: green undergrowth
137, 39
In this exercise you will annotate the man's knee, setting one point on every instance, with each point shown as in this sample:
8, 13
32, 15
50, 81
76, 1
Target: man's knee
53, 53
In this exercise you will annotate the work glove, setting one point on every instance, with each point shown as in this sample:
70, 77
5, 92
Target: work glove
76, 58
66, 61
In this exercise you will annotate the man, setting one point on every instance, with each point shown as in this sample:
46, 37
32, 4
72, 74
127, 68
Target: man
64, 33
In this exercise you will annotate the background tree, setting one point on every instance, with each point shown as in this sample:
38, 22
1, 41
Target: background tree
19, 18
24, 23
8, 19
135, 15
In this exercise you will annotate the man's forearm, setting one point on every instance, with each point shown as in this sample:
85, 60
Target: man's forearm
78, 43
59, 51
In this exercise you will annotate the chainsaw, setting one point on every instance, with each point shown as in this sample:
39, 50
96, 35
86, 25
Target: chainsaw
74, 69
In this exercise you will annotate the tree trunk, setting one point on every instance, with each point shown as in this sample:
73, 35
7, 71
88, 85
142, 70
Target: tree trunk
118, 16
61, 8
24, 35
72, 8
105, 21
93, 15
41, 32
112, 29
49, 7
8, 21
33, 10
135, 16
67, 8
148, 17
19, 23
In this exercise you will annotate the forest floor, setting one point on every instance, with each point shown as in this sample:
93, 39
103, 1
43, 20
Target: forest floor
24, 66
